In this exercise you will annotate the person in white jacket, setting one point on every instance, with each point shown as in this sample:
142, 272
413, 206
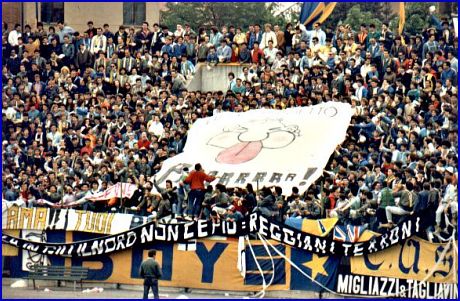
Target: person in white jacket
98, 42
267, 36
14, 35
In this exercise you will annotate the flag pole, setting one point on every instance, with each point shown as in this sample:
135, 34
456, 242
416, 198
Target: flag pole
121, 196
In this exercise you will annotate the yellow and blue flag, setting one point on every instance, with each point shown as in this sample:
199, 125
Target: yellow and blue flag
402, 17
322, 269
318, 227
313, 12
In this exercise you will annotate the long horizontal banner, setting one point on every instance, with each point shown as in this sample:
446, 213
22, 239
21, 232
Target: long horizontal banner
199, 229
21, 218
228, 264
219, 264
395, 287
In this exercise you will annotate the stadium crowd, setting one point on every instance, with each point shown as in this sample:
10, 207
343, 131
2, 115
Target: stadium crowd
85, 110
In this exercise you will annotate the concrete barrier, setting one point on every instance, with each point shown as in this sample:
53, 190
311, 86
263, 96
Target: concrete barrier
213, 78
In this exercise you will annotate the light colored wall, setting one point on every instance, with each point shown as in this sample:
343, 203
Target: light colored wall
77, 14
30, 16
214, 79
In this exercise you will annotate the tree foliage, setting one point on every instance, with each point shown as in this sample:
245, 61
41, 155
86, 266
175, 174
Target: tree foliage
356, 17
417, 16
207, 14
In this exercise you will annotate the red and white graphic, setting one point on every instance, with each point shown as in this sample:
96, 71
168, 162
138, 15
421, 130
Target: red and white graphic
245, 141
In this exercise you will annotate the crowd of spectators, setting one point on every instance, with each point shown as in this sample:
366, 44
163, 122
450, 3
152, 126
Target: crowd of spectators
83, 111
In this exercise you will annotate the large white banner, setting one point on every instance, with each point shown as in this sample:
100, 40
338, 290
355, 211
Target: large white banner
264, 147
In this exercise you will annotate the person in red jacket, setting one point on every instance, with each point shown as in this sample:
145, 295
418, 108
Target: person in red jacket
196, 181
144, 142
256, 53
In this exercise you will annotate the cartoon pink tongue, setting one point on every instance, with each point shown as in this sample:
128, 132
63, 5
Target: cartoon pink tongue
240, 152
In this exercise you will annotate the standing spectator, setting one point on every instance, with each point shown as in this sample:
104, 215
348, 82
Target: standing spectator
279, 38
216, 37
431, 46
91, 31
224, 52
317, 32
68, 50
83, 59
151, 272
14, 35
255, 37
98, 42
267, 37
143, 38
196, 180
107, 33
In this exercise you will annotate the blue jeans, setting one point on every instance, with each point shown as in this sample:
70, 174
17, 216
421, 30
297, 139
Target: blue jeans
195, 199
153, 284
180, 202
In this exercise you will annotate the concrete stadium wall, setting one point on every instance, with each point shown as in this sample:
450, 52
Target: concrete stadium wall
214, 79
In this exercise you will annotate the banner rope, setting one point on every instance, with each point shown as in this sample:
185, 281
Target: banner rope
264, 283
443, 254
271, 259
261, 293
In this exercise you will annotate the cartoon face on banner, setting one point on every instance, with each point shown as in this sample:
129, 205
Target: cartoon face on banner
287, 148
245, 141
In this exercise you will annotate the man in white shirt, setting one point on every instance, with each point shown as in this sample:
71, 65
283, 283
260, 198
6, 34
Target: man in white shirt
360, 90
98, 42
134, 77
268, 36
317, 32
247, 74
14, 35
155, 127
55, 136
270, 52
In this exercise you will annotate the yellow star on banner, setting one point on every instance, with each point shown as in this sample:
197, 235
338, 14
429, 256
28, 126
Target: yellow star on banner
316, 265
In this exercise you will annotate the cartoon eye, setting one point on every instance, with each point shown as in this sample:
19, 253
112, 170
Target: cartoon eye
279, 139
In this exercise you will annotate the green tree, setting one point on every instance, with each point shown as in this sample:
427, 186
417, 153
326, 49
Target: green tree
207, 14
376, 12
356, 17
338, 15
417, 16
